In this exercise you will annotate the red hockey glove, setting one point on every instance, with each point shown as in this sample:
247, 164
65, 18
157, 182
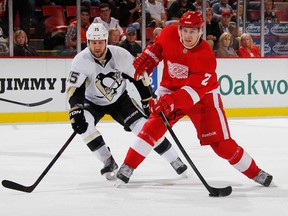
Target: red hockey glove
168, 103
165, 104
147, 60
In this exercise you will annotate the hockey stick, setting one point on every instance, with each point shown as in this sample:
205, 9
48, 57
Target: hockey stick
28, 104
15, 186
214, 192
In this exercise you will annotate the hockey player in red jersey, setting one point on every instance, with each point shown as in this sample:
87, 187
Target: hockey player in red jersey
189, 87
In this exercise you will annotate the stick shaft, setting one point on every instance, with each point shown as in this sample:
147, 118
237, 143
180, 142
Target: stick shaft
15, 186
213, 191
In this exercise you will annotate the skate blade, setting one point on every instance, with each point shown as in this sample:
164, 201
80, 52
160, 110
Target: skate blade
111, 176
183, 175
119, 183
272, 184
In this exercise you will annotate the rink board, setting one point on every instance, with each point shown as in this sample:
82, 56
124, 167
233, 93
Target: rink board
249, 88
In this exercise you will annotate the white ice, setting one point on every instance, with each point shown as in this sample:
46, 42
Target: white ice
74, 186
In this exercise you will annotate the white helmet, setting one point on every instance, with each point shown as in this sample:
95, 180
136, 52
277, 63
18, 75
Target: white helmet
97, 31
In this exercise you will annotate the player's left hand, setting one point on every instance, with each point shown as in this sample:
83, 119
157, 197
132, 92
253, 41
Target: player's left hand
165, 104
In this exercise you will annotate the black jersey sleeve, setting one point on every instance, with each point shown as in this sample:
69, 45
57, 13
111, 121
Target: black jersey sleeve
78, 96
141, 88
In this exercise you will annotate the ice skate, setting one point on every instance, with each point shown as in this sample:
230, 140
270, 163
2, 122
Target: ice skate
124, 174
263, 178
110, 168
179, 166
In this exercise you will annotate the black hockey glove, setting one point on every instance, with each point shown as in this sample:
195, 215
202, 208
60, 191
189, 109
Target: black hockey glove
145, 107
78, 121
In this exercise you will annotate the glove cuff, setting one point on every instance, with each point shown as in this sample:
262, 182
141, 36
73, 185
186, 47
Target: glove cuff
74, 111
77, 106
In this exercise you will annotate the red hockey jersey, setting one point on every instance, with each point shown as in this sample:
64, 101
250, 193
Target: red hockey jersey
195, 68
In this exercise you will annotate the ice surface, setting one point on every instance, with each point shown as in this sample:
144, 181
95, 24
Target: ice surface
74, 186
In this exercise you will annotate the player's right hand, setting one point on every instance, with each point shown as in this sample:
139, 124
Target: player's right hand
78, 121
165, 104
146, 61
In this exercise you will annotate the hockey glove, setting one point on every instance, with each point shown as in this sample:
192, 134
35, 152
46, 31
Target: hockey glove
78, 121
147, 60
165, 104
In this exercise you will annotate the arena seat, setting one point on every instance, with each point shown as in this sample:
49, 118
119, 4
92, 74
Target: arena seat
55, 19
254, 15
71, 13
94, 11
282, 15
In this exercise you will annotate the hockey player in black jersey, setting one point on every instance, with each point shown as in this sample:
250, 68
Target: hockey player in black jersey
96, 86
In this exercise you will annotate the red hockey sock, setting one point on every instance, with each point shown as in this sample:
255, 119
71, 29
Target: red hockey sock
133, 158
252, 171
237, 157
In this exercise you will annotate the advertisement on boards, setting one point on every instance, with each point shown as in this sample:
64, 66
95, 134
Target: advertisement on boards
39, 85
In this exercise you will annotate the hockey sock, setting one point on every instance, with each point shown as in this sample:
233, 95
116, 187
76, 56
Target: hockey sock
237, 157
137, 153
102, 153
98, 146
165, 150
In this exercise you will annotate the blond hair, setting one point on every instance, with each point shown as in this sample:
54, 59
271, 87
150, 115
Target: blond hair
111, 30
18, 33
224, 36
244, 36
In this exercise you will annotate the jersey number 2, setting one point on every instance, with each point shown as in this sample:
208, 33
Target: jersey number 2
205, 81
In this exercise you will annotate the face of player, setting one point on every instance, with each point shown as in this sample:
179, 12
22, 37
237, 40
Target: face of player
189, 36
97, 47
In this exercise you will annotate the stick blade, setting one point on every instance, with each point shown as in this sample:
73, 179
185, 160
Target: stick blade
39, 103
220, 192
16, 186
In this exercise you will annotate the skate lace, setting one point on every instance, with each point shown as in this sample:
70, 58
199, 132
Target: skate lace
126, 171
261, 177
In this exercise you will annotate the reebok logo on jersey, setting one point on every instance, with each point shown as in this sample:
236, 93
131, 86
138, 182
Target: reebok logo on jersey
178, 71
209, 134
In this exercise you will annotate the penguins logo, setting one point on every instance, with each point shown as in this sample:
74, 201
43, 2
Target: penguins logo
107, 84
